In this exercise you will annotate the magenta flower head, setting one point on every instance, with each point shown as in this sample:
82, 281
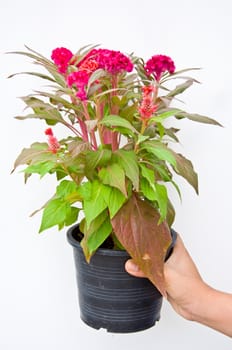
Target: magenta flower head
159, 64
61, 57
79, 79
112, 61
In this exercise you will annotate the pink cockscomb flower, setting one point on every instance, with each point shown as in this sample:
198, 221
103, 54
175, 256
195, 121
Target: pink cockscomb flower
112, 61
61, 57
89, 65
159, 64
53, 144
147, 107
79, 79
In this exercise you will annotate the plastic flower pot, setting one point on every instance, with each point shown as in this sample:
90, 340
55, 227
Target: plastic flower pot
109, 297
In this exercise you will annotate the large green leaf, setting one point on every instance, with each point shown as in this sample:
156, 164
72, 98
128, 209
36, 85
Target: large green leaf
41, 168
98, 158
114, 175
96, 203
160, 150
162, 199
148, 191
136, 226
114, 121
95, 234
65, 188
128, 161
114, 199
55, 213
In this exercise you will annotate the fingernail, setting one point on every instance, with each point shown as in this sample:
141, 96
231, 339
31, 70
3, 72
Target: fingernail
131, 266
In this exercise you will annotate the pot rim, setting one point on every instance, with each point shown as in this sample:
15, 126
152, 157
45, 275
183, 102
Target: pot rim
113, 252
101, 251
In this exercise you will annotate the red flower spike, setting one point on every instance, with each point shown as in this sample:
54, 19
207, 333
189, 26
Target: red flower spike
53, 144
49, 132
147, 106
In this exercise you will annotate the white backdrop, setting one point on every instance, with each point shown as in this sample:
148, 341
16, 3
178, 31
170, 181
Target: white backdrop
38, 303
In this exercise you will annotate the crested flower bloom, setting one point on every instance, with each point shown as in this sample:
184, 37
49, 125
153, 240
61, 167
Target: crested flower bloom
89, 65
53, 143
112, 61
147, 107
159, 64
61, 57
79, 79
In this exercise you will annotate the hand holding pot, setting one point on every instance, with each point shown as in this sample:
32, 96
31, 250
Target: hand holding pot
189, 295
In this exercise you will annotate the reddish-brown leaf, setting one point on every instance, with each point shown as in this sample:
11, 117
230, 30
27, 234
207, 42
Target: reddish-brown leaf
136, 226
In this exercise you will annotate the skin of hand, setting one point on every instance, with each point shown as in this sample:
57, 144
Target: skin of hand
189, 295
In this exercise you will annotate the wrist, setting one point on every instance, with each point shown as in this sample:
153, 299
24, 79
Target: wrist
201, 303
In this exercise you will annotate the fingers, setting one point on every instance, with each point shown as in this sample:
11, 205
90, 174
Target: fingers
133, 269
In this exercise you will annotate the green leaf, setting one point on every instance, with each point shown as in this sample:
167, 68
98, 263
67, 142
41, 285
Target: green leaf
99, 236
148, 191
148, 174
85, 190
117, 121
27, 154
162, 199
114, 175
114, 199
98, 158
99, 229
41, 168
159, 118
137, 227
65, 188
96, 203
72, 217
55, 213
185, 169
160, 150
128, 161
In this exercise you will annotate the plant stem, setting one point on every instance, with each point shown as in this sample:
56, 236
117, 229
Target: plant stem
92, 133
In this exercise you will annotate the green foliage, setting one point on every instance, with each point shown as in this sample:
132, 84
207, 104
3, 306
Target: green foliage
115, 163
59, 210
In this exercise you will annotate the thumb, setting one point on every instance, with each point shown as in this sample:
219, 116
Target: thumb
133, 269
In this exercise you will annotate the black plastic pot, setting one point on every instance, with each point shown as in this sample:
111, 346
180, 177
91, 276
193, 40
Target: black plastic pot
109, 297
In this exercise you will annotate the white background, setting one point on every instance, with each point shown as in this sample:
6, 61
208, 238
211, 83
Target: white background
38, 302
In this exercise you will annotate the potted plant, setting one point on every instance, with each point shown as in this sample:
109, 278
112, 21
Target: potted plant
112, 167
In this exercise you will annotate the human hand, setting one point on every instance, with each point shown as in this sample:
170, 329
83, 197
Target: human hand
189, 295
183, 281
